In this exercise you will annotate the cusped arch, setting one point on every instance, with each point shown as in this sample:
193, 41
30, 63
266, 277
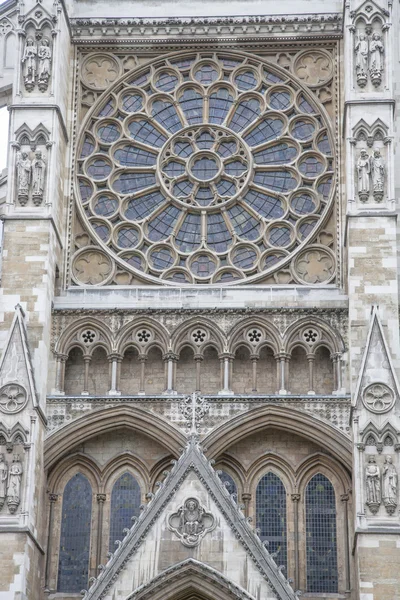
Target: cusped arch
278, 417
126, 462
270, 336
302, 333
69, 466
102, 337
58, 444
187, 580
274, 463
328, 466
130, 335
185, 335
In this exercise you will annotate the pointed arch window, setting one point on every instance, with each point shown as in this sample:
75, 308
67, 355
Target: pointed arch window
125, 503
76, 517
228, 482
271, 515
321, 536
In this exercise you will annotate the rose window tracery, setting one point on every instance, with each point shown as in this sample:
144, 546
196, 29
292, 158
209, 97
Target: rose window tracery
205, 169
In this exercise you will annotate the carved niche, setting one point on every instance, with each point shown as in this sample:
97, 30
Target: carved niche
32, 150
12, 458
371, 146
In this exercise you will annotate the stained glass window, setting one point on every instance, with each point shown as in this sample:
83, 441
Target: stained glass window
271, 515
125, 503
228, 481
73, 563
321, 536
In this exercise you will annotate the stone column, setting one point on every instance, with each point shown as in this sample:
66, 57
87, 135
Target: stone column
282, 359
254, 359
296, 499
114, 359
227, 366
49, 551
246, 499
87, 360
60, 374
170, 360
198, 358
345, 500
311, 361
101, 498
142, 360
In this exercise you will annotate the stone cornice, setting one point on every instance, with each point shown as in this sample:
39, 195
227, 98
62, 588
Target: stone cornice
86, 30
297, 311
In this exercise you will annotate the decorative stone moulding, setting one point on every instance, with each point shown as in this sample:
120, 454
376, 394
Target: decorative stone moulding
13, 398
191, 522
206, 170
378, 397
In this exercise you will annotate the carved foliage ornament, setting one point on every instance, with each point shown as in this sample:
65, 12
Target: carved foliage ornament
90, 266
13, 398
191, 522
378, 397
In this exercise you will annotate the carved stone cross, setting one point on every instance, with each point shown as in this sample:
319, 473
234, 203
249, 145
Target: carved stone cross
194, 408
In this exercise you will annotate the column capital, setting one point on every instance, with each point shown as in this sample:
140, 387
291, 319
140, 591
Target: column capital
345, 497
53, 497
296, 497
101, 498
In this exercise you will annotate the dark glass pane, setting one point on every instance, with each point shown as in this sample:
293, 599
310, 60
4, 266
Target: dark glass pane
105, 206
128, 183
183, 63
145, 132
136, 262
271, 515
226, 188
230, 63
220, 103
271, 77
127, 237
161, 226
109, 133
161, 258
203, 266
99, 169
179, 277
280, 100
227, 276
324, 145
245, 225
227, 149
142, 207
246, 80
107, 109
226, 478
165, 113
278, 181
235, 168
183, 188
245, 113
267, 206
271, 260
76, 516
306, 228
204, 195
130, 156
183, 149
311, 166
166, 82
191, 102
188, 237
244, 258
87, 147
305, 105
206, 74
139, 79
132, 103
102, 230
303, 204
321, 539
280, 236
125, 503
205, 140
267, 130
86, 190
204, 168
324, 188
174, 169
278, 154
303, 130
218, 235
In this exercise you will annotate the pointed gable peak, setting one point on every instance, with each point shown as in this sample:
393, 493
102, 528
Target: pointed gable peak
376, 368
191, 479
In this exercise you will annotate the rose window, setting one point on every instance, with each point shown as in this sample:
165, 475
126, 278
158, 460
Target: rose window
205, 169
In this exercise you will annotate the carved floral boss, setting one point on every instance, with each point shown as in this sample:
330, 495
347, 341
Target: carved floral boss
191, 522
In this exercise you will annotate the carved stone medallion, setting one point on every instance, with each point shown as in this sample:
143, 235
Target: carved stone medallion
378, 397
315, 265
191, 522
314, 68
13, 398
99, 71
91, 267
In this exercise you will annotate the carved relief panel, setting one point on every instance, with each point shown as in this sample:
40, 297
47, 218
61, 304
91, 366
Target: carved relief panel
12, 459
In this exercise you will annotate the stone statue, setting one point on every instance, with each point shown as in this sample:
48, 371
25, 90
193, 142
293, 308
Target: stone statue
3, 480
378, 175
38, 178
361, 50
376, 50
44, 70
14, 485
24, 176
191, 522
363, 172
373, 484
390, 481
29, 59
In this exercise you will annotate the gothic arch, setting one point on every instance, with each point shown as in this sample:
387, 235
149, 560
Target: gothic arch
189, 579
100, 336
126, 462
159, 336
214, 336
329, 467
269, 336
93, 424
296, 335
290, 420
234, 468
70, 465
271, 463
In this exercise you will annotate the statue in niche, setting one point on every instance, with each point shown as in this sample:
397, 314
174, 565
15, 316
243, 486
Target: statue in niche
29, 59
14, 484
361, 50
3, 480
376, 50
390, 481
44, 70
363, 173
373, 484
378, 175
38, 178
24, 176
